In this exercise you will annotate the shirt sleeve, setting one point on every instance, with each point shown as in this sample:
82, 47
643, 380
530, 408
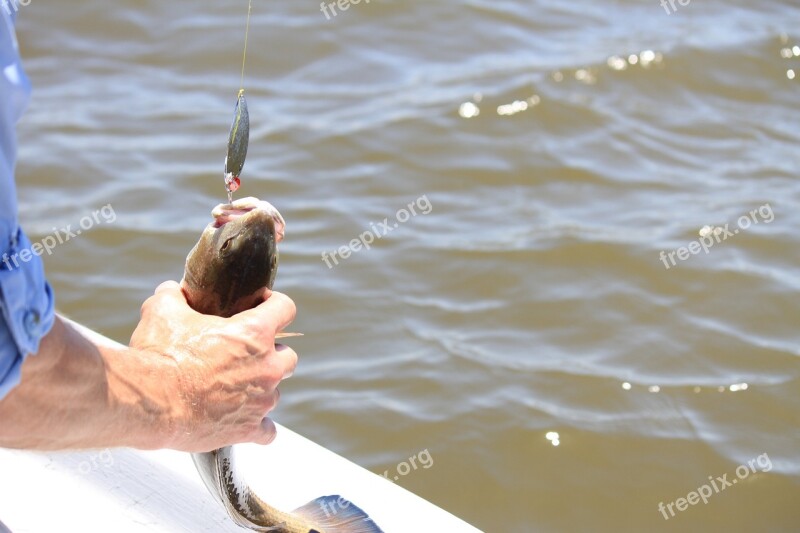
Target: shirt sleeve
27, 305
26, 299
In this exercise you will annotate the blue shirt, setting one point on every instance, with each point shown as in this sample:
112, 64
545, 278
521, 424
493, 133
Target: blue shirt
26, 300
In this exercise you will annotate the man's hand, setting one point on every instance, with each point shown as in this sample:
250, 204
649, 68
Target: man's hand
228, 369
188, 381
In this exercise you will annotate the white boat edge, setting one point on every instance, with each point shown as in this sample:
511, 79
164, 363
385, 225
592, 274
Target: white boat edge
125, 490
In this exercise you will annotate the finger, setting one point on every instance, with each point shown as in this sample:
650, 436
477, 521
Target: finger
288, 360
274, 314
266, 433
276, 399
167, 289
269, 402
167, 295
168, 286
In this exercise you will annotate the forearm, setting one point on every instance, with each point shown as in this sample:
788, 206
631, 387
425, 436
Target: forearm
84, 391
187, 381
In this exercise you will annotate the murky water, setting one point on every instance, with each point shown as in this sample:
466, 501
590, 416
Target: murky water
561, 147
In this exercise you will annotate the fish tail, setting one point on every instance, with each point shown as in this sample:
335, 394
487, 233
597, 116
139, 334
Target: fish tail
334, 514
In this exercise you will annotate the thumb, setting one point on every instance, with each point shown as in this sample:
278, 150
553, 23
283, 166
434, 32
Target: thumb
168, 286
167, 295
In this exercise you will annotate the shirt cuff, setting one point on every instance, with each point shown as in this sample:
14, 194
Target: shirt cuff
27, 309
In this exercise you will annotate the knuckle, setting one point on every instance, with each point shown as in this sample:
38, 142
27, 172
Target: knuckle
147, 305
268, 402
290, 304
286, 302
272, 376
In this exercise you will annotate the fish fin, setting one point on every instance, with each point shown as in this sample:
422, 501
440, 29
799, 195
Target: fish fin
283, 335
334, 514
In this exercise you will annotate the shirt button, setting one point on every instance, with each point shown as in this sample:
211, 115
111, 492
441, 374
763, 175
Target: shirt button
31, 323
14, 240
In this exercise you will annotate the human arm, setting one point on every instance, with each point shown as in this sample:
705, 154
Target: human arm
187, 381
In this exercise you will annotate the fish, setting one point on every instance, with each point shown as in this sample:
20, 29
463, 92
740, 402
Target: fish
231, 269
234, 264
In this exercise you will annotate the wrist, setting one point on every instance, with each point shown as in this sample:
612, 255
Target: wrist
144, 392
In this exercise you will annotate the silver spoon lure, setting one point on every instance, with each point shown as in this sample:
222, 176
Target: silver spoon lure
238, 140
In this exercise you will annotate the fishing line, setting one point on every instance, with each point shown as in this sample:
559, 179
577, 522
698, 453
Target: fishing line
240, 129
246, 33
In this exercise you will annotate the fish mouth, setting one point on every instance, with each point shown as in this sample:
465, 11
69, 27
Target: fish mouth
245, 207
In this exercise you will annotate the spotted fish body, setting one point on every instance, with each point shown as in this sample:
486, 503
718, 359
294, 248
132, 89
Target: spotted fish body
228, 271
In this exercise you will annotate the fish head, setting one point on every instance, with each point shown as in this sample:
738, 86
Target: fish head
235, 261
